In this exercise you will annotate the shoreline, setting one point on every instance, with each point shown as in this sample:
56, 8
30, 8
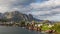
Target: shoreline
28, 29
31, 27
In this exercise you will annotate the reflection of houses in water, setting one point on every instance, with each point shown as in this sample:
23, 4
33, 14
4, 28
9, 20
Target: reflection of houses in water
34, 26
38, 27
31, 27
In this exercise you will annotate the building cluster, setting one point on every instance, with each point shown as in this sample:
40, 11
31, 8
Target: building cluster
38, 27
31, 26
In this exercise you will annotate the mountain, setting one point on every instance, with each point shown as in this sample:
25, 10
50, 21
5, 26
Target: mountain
35, 19
17, 16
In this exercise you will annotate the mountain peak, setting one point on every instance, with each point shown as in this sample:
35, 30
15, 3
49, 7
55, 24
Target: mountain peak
18, 16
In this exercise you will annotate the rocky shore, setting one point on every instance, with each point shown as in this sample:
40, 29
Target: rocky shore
41, 27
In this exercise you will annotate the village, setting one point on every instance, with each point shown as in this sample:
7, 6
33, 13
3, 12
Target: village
41, 27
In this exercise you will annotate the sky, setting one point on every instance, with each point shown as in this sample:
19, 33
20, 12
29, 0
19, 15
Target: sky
40, 9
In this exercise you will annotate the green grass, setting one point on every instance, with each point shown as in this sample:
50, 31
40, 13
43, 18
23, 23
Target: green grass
56, 27
45, 27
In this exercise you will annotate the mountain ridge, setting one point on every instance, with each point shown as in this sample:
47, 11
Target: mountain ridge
18, 16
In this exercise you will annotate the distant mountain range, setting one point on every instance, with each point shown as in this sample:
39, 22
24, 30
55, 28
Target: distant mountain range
17, 16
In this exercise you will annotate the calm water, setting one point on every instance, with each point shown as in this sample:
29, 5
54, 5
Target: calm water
16, 30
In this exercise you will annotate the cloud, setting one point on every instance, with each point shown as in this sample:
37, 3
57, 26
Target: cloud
7, 5
47, 4
54, 18
41, 9
46, 10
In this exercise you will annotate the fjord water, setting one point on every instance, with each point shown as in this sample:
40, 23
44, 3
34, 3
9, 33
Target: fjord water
16, 30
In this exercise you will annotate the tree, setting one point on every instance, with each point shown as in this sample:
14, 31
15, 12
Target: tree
22, 24
56, 27
3, 20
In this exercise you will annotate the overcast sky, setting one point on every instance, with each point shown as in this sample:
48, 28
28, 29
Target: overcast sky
41, 9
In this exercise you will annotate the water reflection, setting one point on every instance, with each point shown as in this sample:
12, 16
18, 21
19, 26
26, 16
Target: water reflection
17, 30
